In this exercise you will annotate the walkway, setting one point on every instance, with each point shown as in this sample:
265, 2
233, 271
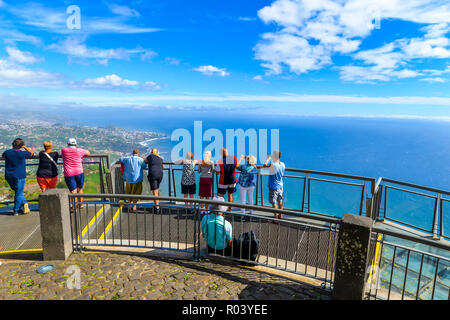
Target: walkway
112, 276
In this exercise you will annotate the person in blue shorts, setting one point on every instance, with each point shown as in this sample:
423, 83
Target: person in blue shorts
276, 171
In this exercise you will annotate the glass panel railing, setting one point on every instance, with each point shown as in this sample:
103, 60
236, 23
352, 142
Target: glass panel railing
410, 208
163, 187
445, 216
415, 270
293, 188
335, 198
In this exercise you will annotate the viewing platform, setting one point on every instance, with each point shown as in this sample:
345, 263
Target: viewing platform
409, 261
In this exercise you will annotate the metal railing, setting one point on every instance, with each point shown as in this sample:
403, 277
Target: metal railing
406, 267
305, 247
315, 192
422, 208
100, 160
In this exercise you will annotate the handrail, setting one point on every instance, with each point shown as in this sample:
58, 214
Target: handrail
411, 237
298, 214
92, 156
333, 174
411, 185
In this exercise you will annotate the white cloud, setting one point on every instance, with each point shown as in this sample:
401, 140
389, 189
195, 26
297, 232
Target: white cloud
54, 21
246, 19
13, 75
75, 47
148, 55
211, 70
151, 85
257, 78
433, 80
123, 11
114, 81
388, 62
288, 98
109, 81
18, 56
310, 33
172, 61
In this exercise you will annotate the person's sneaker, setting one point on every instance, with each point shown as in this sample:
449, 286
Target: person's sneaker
15, 213
26, 209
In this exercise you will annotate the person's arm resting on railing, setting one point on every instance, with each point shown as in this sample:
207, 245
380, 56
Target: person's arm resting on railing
29, 150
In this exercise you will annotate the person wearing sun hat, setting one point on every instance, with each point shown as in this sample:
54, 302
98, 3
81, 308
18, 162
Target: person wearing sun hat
72, 157
217, 231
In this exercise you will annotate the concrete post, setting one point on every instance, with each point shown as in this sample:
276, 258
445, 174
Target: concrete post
55, 224
351, 257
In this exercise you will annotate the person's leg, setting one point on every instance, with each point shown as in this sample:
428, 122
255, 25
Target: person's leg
250, 191
273, 201
156, 194
13, 185
280, 202
243, 195
191, 204
128, 188
52, 183
20, 193
137, 190
42, 184
80, 184
230, 196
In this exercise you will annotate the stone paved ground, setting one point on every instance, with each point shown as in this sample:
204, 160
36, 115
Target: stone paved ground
116, 276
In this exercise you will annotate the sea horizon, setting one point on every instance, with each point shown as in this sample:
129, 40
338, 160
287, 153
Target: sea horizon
406, 149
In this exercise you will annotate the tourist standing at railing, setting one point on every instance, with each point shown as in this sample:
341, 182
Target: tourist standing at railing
247, 179
155, 172
206, 170
133, 175
226, 167
15, 173
217, 231
188, 185
47, 173
73, 166
276, 171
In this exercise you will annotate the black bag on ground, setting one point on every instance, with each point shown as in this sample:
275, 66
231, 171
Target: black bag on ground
246, 247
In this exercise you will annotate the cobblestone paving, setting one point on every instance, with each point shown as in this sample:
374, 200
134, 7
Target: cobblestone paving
115, 276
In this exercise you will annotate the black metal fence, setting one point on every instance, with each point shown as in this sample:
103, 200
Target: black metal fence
305, 247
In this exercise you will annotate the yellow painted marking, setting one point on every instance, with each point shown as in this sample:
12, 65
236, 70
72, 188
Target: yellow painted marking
24, 251
99, 212
110, 223
375, 258
92, 221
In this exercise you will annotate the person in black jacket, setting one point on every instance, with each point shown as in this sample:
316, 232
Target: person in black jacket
47, 173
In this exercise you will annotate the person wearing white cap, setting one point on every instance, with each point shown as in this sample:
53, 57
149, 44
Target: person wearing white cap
73, 166
216, 230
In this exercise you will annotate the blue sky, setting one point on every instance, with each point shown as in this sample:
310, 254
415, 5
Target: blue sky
347, 58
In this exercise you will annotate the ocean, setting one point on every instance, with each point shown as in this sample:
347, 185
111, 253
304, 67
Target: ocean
415, 151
